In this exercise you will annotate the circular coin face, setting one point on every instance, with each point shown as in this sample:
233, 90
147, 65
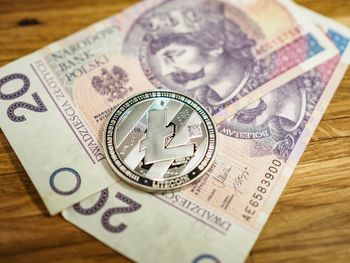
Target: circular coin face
160, 140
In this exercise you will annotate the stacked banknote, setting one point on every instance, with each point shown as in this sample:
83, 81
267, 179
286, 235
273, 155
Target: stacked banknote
266, 83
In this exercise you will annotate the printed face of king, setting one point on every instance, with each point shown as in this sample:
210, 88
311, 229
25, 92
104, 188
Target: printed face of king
188, 65
204, 59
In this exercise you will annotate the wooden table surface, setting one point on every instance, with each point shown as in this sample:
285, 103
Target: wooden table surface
311, 221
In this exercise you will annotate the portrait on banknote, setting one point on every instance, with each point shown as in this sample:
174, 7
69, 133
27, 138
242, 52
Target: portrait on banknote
196, 49
274, 122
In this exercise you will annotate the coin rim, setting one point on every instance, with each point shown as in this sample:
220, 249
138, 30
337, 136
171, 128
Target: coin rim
148, 188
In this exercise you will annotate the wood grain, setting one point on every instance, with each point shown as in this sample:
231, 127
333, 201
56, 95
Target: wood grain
311, 222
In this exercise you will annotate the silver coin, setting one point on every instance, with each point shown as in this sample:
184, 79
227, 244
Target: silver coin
160, 140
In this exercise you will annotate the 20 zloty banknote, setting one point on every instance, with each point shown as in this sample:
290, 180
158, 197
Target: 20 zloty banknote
225, 54
219, 217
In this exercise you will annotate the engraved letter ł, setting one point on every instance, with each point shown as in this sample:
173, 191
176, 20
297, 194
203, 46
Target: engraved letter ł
155, 141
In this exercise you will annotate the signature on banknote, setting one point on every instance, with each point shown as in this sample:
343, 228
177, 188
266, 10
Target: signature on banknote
220, 180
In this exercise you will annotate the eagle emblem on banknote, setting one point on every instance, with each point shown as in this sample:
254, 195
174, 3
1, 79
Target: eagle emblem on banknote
112, 84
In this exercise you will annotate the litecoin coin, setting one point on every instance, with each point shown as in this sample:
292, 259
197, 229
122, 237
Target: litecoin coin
160, 140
